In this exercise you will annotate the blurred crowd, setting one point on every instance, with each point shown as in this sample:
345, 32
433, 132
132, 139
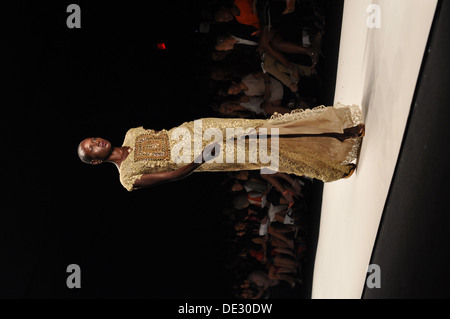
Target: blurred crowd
267, 220
260, 56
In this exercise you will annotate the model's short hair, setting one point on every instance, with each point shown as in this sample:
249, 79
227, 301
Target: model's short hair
83, 156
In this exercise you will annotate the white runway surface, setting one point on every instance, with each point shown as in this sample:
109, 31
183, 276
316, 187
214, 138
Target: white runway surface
378, 70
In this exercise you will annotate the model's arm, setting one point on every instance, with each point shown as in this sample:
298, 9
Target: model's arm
153, 179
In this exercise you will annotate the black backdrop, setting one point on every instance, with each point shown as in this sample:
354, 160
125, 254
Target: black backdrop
100, 80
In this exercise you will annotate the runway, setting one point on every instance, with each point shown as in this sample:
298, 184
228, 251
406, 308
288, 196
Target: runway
378, 68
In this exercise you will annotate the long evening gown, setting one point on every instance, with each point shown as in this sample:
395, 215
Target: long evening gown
324, 158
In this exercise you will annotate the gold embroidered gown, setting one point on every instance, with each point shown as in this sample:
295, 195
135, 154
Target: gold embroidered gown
323, 158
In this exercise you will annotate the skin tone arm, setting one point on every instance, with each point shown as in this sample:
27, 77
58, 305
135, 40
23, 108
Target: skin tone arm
297, 188
153, 179
265, 45
281, 237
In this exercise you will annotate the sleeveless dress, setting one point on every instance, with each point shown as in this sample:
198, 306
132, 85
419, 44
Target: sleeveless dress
323, 158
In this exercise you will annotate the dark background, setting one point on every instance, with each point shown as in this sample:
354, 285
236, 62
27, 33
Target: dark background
101, 80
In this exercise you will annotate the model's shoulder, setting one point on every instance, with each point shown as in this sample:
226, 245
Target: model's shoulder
132, 133
139, 130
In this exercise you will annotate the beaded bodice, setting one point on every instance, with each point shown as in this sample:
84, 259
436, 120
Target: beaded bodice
149, 153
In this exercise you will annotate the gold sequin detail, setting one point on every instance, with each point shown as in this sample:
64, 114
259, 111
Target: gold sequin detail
152, 147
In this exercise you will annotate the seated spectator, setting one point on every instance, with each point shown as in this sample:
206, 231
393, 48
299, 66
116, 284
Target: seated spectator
246, 12
264, 86
285, 188
229, 41
280, 213
240, 175
262, 282
290, 75
271, 42
285, 274
254, 201
251, 184
230, 69
243, 11
279, 231
244, 107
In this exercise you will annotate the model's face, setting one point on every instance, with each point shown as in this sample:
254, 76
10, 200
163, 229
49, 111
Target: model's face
97, 148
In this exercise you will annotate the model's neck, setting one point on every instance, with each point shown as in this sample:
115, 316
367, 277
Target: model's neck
118, 155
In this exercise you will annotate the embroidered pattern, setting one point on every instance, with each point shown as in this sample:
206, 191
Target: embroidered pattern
152, 147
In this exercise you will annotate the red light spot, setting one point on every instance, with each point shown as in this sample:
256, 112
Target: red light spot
161, 46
